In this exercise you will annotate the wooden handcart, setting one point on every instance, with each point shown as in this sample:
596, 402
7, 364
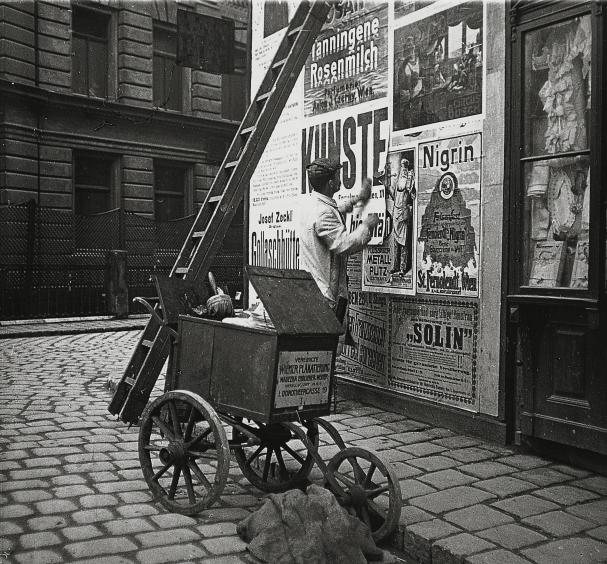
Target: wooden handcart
259, 393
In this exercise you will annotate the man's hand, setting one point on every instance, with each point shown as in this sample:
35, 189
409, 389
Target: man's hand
365, 191
371, 220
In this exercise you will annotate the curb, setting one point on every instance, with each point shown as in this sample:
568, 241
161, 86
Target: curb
45, 328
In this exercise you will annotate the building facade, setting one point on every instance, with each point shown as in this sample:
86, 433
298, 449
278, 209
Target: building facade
97, 114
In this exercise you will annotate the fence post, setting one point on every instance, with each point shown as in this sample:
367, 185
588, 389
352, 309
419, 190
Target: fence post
116, 289
28, 282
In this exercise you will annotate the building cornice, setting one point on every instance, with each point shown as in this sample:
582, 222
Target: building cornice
108, 110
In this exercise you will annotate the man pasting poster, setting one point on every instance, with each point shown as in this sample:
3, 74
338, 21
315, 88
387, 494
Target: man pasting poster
448, 208
389, 267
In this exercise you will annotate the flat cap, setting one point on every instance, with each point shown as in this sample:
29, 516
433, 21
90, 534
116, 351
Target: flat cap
323, 167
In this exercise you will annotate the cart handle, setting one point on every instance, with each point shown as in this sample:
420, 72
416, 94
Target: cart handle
147, 305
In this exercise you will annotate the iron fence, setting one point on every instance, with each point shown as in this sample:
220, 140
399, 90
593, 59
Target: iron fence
53, 262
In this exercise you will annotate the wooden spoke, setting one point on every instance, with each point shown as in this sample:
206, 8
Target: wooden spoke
187, 435
188, 483
160, 472
255, 454
175, 418
281, 462
294, 454
174, 482
199, 474
199, 438
364, 514
368, 479
372, 494
266, 466
163, 428
342, 478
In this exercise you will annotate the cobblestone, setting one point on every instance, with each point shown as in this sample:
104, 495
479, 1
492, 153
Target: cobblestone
82, 532
558, 523
97, 547
512, 536
477, 517
73, 471
35, 540
458, 547
567, 551
173, 553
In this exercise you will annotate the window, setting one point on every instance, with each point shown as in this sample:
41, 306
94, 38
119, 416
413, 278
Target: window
90, 52
234, 88
556, 154
167, 75
93, 184
169, 191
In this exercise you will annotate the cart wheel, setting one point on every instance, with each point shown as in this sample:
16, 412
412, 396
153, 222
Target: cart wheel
368, 488
184, 452
272, 457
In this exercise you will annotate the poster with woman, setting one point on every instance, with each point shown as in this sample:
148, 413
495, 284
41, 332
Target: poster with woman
389, 267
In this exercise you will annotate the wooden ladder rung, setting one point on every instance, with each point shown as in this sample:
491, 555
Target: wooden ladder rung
280, 63
147, 343
263, 97
182, 270
231, 164
214, 199
295, 31
198, 235
130, 381
247, 130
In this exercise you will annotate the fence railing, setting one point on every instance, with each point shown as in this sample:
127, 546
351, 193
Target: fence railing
53, 262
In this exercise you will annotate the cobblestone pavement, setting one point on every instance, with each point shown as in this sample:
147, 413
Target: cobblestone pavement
71, 488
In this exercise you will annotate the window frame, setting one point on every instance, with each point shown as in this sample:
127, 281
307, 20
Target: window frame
166, 55
111, 189
186, 194
108, 71
526, 18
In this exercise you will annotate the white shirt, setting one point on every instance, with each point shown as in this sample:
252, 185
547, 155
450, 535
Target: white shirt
325, 244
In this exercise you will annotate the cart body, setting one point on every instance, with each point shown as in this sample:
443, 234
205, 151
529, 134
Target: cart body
280, 371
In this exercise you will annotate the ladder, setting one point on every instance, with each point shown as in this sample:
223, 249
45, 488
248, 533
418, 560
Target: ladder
216, 213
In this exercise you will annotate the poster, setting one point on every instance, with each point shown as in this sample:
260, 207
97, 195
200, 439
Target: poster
390, 266
273, 239
348, 63
438, 66
303, 378
448, 216
358, 138
433, 350
366, 359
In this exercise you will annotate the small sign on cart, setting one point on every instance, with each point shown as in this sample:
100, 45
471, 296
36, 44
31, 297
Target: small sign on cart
303, 378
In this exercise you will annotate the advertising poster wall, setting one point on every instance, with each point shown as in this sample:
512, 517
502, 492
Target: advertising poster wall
412, 324
389, 266
448, 211
349, 60
438, 66
433, 350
